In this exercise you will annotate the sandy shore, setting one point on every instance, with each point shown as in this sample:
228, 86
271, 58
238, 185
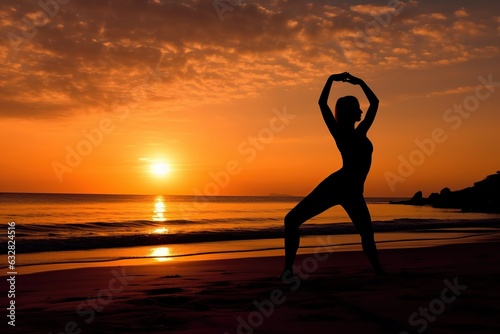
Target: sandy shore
442, 289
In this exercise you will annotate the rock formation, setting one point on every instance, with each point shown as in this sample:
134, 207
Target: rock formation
484, 196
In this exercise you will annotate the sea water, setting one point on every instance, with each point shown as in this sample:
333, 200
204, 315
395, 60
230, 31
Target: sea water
83, 228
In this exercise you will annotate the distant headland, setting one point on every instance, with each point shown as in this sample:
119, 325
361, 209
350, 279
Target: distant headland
484, 196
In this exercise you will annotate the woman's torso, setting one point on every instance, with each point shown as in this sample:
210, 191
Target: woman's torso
356, 150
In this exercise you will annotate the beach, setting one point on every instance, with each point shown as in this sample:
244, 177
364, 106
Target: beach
451, 288
163, 264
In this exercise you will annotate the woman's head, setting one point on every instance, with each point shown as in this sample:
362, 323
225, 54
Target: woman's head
347, 109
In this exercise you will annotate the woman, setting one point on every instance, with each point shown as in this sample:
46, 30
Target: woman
345, 186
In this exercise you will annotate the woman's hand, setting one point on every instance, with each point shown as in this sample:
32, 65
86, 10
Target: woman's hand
339, 76
352, 79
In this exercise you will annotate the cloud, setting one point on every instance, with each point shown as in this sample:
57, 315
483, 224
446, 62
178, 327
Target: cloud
433, 16
372, 9
429, 31
93, 54
461, 13
452, 91
469, 28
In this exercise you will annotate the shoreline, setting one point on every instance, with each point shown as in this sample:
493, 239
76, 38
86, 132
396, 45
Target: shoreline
146, 255
334, 290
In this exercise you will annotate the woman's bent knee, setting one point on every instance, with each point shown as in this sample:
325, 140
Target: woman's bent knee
291, 222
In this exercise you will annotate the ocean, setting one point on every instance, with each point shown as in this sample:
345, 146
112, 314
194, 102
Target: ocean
73, 229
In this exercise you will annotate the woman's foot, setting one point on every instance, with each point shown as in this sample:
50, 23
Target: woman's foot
286, 273
380, 272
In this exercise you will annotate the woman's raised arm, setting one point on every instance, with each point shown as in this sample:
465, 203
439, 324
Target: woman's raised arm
330, 121
372, 98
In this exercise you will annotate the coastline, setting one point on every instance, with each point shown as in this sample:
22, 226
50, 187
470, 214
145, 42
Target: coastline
335, 290
150, 255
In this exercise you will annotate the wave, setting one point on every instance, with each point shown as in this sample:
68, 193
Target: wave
140, 223
54, 242
41, 230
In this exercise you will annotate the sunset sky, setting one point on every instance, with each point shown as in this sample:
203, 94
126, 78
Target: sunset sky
220, 98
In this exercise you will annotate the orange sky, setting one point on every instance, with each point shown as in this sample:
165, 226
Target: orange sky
95, 92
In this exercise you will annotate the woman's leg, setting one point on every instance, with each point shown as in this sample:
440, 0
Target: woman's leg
356, 208
323, 197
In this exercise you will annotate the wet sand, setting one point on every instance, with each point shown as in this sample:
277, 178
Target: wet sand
436, 289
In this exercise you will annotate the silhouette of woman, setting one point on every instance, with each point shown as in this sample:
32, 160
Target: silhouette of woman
345, 186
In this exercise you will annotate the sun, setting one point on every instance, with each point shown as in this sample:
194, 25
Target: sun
160, 169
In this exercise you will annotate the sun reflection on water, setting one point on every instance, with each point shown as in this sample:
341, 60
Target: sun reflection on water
161, 230
159, 209
163, 254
